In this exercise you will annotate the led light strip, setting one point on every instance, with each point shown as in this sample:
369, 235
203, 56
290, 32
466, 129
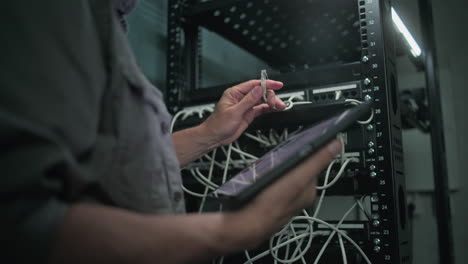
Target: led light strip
415, 49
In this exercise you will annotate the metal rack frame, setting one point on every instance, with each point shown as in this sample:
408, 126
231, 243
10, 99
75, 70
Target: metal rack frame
441, 185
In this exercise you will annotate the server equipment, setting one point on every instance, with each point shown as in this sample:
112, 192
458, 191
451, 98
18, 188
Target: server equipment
330, 55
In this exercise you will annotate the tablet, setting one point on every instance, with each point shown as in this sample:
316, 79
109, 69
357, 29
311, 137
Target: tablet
244, 186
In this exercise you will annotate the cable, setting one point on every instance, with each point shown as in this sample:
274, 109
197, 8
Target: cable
322, 195
338, 175
343, 251
244, 153
265, 138
319, 204
325, 245
284, 135
368, 120
300, 236
294, 258
190, 111
266, 252
174, 119
220, 165
266, 143
247, 256
299, 246
210, 174
296, 243
202, 179
228, 159
271, 136
290, 103
357, 102
199, 195
353, 101
336, 230
236, 143
361, 206
207, 180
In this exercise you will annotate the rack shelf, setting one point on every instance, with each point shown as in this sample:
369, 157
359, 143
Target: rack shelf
313, 77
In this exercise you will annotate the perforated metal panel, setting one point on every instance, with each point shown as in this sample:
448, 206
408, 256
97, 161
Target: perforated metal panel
287, 33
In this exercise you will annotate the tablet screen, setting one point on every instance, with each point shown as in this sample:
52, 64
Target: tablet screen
275, 157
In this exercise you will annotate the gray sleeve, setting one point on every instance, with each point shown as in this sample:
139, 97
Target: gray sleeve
52, 77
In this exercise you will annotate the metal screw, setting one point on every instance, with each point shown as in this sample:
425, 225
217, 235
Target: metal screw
367, 98
367, 81
376, 249
376, 223
370, 144
365, 59
373, 174
377, 241
375, 216
371, 151
372, 167
370, 127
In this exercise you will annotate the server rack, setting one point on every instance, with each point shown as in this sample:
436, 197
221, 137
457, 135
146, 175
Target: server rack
352, 45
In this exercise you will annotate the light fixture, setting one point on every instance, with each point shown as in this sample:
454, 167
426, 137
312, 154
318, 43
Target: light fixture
415, 49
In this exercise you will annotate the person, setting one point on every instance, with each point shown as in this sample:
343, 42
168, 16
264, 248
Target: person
90, 170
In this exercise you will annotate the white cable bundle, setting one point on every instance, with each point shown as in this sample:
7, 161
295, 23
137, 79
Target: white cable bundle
296, 242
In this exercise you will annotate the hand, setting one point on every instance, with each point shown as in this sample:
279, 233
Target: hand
238, 107
277, 204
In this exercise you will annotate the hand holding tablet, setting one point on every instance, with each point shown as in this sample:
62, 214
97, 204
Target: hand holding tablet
243, 187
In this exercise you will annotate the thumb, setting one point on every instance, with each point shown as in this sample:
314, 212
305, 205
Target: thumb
250, 100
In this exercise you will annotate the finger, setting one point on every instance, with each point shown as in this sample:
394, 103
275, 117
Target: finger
307, 197
280, 105
246, 87
255, 112
274, 85
316, 163
260, 110
308, 175
250, 100
277, 104
271, 99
